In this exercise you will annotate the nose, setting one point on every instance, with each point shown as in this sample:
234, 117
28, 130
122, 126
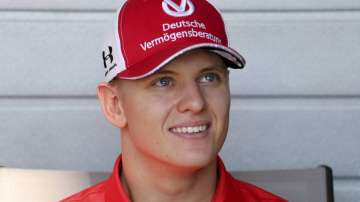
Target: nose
191, 99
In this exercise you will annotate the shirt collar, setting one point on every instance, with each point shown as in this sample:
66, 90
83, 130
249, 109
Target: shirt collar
115, 191
224, 190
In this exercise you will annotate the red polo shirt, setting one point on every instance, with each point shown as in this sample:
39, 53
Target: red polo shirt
228, 189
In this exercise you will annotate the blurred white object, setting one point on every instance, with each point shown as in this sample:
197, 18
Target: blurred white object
19, 185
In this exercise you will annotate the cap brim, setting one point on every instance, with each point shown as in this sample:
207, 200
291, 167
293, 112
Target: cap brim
155, 62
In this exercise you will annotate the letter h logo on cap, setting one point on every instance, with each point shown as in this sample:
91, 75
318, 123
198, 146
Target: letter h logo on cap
185, 8
108, 60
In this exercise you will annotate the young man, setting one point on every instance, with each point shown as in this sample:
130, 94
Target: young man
167, 89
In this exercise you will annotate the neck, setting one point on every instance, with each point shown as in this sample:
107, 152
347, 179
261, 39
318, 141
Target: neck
146, 179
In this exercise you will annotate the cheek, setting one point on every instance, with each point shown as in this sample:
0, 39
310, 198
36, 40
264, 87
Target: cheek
147, 116
146, 113
219, 102
143, 126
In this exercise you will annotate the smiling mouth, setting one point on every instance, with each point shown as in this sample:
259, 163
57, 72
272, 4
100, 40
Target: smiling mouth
190, 130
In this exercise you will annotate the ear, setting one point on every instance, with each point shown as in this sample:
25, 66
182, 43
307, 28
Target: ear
111, 104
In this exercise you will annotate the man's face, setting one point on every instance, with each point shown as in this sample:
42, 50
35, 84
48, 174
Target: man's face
179, 115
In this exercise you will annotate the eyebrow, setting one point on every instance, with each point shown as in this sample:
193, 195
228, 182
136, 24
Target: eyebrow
211, 68
164, 71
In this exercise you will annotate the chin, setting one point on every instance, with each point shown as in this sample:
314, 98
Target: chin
196, 161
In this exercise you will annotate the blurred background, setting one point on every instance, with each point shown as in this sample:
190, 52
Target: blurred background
295, 105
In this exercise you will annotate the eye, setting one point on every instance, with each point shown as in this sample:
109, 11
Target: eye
209, 77
164, 82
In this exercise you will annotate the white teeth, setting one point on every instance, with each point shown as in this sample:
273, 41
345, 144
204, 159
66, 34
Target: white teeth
195, 129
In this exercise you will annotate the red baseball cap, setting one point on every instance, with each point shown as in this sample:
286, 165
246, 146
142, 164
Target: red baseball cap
151, 33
